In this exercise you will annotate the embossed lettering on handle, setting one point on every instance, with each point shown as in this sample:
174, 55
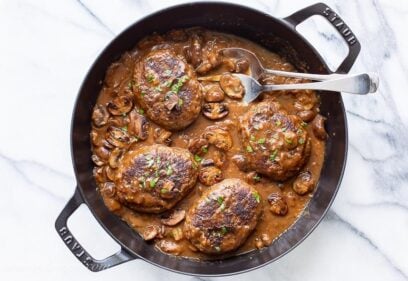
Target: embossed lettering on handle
75, 247
335, 20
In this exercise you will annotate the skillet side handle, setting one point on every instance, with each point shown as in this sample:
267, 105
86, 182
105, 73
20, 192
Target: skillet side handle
343, 29
73, 245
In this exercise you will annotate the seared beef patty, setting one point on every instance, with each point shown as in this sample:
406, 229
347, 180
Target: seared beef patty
276, 144
154, 178
166, 87
221, 220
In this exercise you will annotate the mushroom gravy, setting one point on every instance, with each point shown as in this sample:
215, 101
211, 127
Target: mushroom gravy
121, 125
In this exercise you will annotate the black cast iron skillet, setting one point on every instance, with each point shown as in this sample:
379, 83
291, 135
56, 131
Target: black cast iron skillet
278, 35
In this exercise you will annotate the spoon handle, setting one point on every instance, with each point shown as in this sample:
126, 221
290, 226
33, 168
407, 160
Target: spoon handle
360, 84
315, 77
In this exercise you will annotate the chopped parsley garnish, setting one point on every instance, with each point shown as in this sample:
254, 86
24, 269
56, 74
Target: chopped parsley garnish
303, 124
163, 190
169, 170
261, 141
224, 230
142, 182
256, 196
150, 78
249, 149
299, 131
284, 129
278, 122
153, 182
158, 89
167, 72
257, 178
220, 200
180, 82
143, 94
273, 155
150, 162
301, 141
197, 158
141, 111
252, 138
124, 129
289, 140
204, 149
180, 102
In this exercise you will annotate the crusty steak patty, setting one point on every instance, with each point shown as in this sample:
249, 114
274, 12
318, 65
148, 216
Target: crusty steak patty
224, 216
154, 178
166, 87
275, 143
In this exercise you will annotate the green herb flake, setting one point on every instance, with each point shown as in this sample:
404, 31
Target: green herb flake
180, 102
150, 78
143, 94
261, 141
257, 178
169, 170
163, 190
204, 149
167, 72
273, 155
224, 230
249, 149
278, 122
289, 140
222, 207
197, 158
142, 182
130, 84
256, 196
303, 124
180, 82
284, 129
153, 182
220, 200
150, 162
125, 128
301, 141
299, 132
252, 138
141, 111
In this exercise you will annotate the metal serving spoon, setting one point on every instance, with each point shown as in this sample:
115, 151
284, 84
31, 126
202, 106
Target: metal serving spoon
359, 84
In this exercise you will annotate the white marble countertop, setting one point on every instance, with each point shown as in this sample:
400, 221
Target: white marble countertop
48, 46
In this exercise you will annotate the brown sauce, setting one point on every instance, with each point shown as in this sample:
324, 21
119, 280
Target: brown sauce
118, 80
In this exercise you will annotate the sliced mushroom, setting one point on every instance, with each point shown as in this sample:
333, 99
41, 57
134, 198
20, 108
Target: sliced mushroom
150, 232
138, 125
204, 67
118, 121
98, 161
213, 93
198, 146
102, 152
304, 183
108, 189
240, 161
219, 158
120, 105
115, 157
318, 127
193, 53
174, 217
100, 115
110, 173
278, 204
99, 174
95, 139
219, 137
169, 247
117, 137
306, 115
210, 174
232, 86
162, 136
215, 110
